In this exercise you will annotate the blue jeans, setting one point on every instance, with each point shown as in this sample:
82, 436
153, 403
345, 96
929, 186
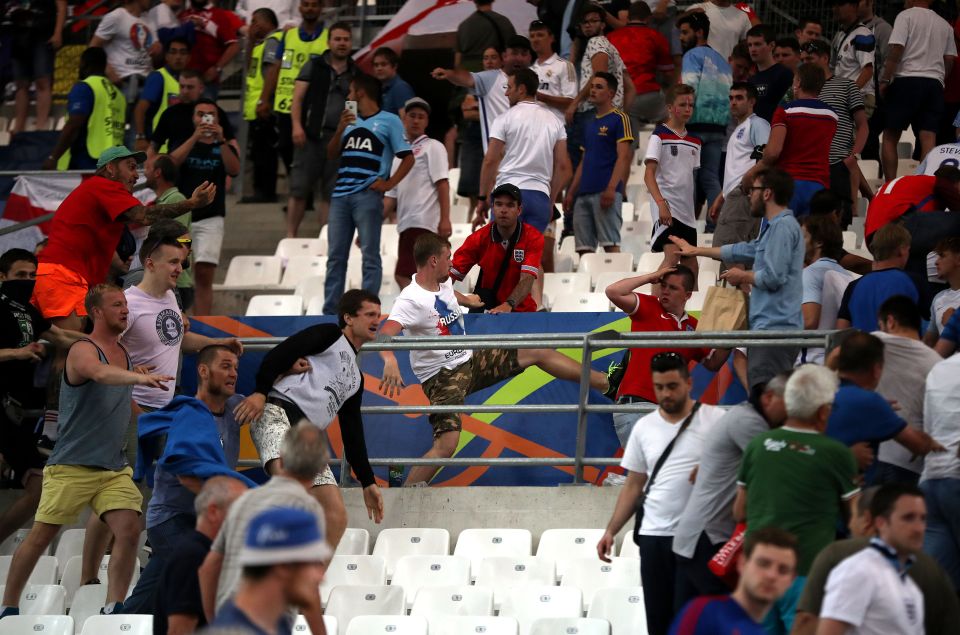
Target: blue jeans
942, 540
361, 212
162, 538
708, 176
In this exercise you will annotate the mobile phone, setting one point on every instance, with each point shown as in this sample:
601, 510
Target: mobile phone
351, 106
207, 118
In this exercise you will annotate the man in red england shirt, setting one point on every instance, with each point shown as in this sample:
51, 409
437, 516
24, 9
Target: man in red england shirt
646, 54
649, 313
85, 232
216, 41
916, 193
504, 237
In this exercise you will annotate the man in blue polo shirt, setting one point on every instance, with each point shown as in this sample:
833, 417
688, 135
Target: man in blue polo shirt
862, 299
861, 415
767, 567
366, 143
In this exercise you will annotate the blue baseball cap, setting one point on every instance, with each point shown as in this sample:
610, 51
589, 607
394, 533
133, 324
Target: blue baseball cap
283, 535
119, 152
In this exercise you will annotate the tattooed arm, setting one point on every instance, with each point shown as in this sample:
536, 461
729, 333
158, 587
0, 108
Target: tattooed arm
149, 214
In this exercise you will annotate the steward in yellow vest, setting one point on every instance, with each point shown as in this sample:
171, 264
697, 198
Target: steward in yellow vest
263, 60
160, 91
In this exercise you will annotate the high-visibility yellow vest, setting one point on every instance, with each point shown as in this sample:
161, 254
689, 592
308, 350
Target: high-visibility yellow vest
171, 89
254, 85
106, 123
296, 52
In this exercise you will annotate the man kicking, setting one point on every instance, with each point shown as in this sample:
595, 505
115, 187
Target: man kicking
331, 387
430, 306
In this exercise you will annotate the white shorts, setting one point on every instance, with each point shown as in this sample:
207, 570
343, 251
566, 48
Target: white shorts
267, 435
207, 235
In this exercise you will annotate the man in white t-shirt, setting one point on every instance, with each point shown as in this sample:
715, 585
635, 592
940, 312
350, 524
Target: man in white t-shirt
421, 201
129, 43
528, 148
920, 55
728, 25
870, 593
661, 458
731, 209
946, 302
558, 78
853, 51
490, 87
430, 306
164, 16
945, 154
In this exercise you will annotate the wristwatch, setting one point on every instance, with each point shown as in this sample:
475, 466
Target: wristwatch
512, 304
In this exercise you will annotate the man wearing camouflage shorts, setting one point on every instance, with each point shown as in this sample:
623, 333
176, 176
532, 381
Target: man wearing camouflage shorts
330, 385
430, 306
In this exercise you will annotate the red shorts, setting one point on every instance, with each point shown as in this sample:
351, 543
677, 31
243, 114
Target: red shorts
59, 291
406, 266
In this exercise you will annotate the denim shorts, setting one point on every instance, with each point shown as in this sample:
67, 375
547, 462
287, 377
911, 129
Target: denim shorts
593, 225
33, 61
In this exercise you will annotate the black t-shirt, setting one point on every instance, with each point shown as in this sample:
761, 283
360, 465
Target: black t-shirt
205, 163
176, 126
772, 84
20, 325
178, 589
613, 7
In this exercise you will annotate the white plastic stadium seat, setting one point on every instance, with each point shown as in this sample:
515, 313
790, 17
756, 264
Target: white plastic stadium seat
361, 570
849, 240
503, 573
649, 262
416, 572
453, 600
556, 285
310, 288
253, 271
44, 573
560, 545
291, 247
71, 576
627, 211
389, 238
628, 548
315, 306
697, 298
393, 544
528, 604
69, 545
118, 625
37, 625
347, 602
597, 263
481, 543
13, 541
482, 625
570, 626
274, 305
42, 599
607, 278
355, 542
299, 268
705, 264
581, 303
591, 573
300, 626
394, 624
623, 608
87, 602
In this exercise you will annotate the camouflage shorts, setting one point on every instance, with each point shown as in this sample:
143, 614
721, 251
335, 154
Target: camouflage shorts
450, 387
267, 436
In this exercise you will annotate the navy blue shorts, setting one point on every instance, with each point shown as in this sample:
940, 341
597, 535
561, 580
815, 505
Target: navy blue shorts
914, 101
33, 61
537, 209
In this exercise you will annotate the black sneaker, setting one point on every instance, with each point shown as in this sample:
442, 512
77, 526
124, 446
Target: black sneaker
614, 374
45, 445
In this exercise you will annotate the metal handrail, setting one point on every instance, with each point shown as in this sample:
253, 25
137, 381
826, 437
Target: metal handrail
587, 343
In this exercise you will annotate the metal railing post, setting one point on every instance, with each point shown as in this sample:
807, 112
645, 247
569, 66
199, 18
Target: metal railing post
581, 442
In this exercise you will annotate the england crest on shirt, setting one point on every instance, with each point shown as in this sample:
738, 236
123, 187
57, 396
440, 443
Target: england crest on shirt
518, 255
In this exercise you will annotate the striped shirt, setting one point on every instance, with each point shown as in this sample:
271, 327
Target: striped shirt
811, 125
845, 98
367, 149
490, 88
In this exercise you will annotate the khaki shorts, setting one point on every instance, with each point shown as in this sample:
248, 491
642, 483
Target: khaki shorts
450, 387
67, 489
267, 434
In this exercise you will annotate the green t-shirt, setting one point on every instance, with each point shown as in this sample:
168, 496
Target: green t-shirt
798, 481
173, 195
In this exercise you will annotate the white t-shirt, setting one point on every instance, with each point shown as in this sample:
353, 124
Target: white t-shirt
423, 312
558, 78
161, 17
595, 45
754, 131
529, 132
153, 338
490, 87
926, 38
650, 436
677, 157
417, 201
867, 592
948, 153
128, 39
287, 11
941, 403
728, 26
852, 52
946, 299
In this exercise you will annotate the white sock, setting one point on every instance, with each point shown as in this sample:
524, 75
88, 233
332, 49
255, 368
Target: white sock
51, 419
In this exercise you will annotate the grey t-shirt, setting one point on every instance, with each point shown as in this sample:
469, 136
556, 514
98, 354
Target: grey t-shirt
710, 506
279, 491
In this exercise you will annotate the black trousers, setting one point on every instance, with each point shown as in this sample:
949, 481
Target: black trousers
263, 149
658, 567
694, 577
285, 140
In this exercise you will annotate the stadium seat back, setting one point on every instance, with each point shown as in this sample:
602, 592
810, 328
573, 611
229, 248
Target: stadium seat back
274, 306
71, 577
529, 604
432, 601
347, 602
570, 626
41, 599
69, 545
582, 302
310, 288
13, 541
44, 573
293, 247
393, 544
315, 306
352, 571
355, 542
37, 625
590, 573
470, 625
253, 271
557, 285
597, 263
622, 607
561, 545
480, 543
118, 625
86, 602
389, 240
415, 572
392, 624
299, 268
501, 573
649, 262
607, 278
300, 626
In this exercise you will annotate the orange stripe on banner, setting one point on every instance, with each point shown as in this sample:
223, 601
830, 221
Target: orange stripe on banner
471, 474
230, 326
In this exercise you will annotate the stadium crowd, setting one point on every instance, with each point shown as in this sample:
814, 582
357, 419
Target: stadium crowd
835, 485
